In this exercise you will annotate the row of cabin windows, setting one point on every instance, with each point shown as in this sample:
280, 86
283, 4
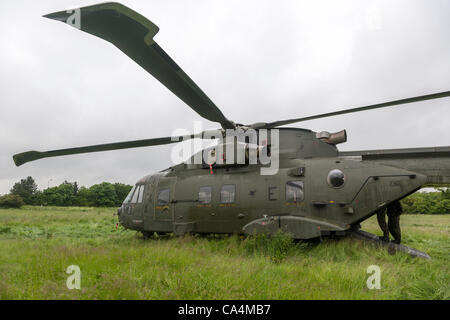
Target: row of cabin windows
227, 195
294, 193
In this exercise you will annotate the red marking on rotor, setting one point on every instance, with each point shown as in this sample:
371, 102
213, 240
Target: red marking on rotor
210, 169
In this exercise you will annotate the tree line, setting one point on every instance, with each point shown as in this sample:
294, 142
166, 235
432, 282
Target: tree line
105, 194
428, 202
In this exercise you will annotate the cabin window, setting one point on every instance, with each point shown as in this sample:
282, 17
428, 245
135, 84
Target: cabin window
294, 191
204, 195
141, 194
228, 193
130, 194
136, 194
163, 196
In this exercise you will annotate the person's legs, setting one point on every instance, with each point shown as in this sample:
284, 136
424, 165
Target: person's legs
381, 217
394, 210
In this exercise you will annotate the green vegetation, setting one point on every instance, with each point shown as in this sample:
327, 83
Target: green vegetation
11, 201
66, 194
26, 189
104, 194
38, 244
429, 203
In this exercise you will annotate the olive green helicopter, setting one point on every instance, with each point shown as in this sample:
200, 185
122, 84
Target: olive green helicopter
309, 188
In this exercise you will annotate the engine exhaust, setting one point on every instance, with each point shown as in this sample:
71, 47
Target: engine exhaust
332, 138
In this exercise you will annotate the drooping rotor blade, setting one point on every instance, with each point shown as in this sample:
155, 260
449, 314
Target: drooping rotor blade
133, 34
336, 113
21, 158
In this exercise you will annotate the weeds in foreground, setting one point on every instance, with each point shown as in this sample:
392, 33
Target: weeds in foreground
37, 245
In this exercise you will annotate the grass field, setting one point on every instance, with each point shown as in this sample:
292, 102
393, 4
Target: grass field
38, 244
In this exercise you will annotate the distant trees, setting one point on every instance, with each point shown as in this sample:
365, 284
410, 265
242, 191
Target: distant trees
66, 194
103, 195
428, 202
63, 195
26, 189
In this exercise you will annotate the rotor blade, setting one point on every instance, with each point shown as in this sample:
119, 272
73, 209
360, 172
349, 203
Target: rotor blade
133, 34
336, 113
21, 158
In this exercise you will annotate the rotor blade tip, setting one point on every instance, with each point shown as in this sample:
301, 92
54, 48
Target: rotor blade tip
59, 16
21, 158
17, 160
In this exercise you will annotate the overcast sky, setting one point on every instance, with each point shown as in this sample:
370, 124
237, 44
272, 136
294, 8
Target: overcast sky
257, 60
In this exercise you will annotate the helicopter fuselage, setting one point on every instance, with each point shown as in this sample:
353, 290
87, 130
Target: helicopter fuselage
299, 198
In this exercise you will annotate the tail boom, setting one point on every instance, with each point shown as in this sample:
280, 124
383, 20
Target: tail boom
433, 162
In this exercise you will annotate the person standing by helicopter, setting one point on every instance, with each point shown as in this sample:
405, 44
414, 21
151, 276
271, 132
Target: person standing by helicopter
393, 210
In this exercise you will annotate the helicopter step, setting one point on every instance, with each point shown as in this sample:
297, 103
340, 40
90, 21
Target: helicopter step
391, 246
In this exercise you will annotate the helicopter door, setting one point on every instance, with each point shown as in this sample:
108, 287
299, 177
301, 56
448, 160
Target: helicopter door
164, 206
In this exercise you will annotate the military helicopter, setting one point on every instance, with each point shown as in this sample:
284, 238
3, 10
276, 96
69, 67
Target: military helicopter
316, 191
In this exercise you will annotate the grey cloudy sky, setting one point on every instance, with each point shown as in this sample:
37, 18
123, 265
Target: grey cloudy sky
257, 60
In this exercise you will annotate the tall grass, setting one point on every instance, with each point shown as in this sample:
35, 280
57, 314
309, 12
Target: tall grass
38, 244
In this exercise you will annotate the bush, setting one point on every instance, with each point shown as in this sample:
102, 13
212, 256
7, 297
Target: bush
11, 201
427, 203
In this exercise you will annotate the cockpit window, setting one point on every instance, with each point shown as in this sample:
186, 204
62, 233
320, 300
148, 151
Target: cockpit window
141, 194
136, 194
130, 194
294, 191
163, 197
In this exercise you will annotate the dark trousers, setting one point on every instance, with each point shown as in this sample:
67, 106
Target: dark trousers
393, 210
